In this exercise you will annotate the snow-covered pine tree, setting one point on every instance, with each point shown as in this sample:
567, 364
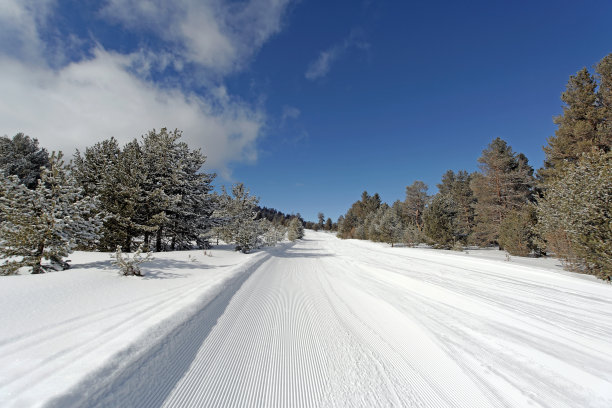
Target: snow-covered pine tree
20, 156
235, 217
574, 215
160, 151
47, 222
390, 226
295, 230
190, 216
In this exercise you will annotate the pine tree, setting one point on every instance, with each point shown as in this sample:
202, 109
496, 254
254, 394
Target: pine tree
390, 226
295, 230
236, 218
189, 217
415, 202
504, 183
456, 187
574, 215
585, 122
117, 178
356, 221
47, 222
516, 232
603, 72
440, 221
21, 157
328, 224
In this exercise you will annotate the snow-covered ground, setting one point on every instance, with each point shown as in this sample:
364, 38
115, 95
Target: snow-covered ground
322, 322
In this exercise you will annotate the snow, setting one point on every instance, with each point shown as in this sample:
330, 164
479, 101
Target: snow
60, 327
322, 322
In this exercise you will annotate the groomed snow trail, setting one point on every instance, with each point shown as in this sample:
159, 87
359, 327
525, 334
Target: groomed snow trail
332, 323
346, 323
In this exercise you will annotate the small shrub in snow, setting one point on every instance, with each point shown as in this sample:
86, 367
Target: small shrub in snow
458, 246
295, 230
129, 266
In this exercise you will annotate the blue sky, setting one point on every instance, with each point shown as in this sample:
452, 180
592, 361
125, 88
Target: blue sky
309, 103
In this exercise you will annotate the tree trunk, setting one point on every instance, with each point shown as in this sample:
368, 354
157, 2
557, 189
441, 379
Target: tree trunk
158, 241
37, 267
127, 247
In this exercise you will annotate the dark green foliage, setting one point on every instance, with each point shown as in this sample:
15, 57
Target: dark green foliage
415, 203
516, 232
504, 183
356, 220
440, 221
574, 209
456, 187
152, 188
575, 213
586, 122
21, 157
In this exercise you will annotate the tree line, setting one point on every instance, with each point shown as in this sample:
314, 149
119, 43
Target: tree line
149, 193
564, 209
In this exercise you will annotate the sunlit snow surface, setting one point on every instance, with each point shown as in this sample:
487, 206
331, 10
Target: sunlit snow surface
322, 322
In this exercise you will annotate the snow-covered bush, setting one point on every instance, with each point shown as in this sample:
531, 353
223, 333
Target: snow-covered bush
130, 266
295, 230
272, 233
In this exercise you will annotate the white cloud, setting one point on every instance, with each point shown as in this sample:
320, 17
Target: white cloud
95, 99
20, 21
290, 112
320, 67
219, 36
75, 104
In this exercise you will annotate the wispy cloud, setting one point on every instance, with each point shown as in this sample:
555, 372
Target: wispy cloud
217, 35
104, 93
320, 67
290, 112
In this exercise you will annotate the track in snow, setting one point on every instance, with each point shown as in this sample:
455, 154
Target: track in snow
344, 323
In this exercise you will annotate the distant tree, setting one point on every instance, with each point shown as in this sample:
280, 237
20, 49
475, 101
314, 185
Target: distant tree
440, 221
236, 215
504, 183
321, 219
328, 224
355, 222
20, 156
389, 226
295, 230
456, 188
272, 233
415, 202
